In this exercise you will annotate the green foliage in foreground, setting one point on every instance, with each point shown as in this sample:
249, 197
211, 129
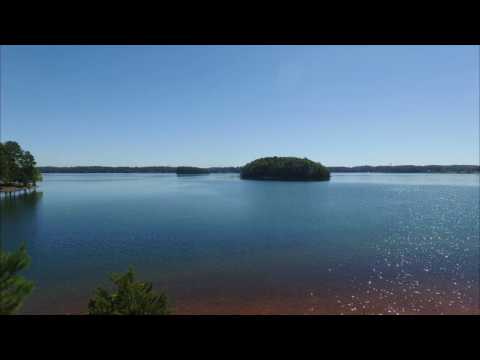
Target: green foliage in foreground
285, 168
131, 298
13, 288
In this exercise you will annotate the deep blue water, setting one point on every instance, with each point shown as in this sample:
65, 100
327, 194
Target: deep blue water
361, 243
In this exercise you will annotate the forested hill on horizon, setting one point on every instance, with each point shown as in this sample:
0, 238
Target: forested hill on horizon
468, 169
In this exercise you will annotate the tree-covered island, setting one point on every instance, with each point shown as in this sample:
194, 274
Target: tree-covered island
285, 168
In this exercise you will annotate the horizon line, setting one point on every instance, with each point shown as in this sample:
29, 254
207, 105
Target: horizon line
234, 166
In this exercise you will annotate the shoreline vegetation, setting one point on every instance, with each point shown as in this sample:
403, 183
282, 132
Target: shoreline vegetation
395, 169
285, 168
18, 171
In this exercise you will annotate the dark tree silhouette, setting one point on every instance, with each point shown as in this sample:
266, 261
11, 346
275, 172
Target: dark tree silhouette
17, 165
13, 287
190, 170
285, 168
131, 298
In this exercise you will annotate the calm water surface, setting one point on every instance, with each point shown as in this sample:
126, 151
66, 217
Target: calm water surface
361, 243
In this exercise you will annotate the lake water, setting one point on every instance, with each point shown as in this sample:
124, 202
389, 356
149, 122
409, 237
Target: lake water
216, 244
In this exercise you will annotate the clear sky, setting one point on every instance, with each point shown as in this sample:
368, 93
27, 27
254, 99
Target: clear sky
227, 105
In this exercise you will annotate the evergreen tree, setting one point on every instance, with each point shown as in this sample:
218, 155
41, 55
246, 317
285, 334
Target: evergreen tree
131, 298
29, 173
13, 154
3, 164
13, 288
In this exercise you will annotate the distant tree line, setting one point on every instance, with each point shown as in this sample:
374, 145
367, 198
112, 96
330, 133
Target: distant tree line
228, 169
127, 169
107, 169
17, 166
408, 169
189, 170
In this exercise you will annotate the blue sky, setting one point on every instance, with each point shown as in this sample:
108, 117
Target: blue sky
227, 105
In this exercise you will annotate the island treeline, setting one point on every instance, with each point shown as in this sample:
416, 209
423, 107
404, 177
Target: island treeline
462, 169
17, 166
285, 168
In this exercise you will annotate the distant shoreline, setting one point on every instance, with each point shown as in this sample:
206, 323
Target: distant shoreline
398, 169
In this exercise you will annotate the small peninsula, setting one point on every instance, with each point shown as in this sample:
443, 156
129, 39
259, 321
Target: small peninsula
191, 170
285, 168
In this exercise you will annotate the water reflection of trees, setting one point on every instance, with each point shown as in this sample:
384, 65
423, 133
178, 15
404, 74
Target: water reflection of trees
18, 218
